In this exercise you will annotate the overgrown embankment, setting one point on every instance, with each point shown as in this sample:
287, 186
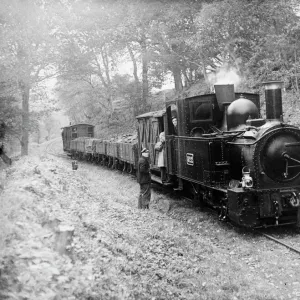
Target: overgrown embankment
120, 252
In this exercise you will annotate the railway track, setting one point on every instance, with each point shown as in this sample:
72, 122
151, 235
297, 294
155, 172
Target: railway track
53, 149
232, 226
267, 236
280, 242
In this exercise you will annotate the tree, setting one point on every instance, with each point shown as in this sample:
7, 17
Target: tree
89, 55
162, 30
49, 126
28, 54
185, 39
251, 36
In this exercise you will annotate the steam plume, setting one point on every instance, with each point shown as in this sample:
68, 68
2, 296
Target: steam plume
225, 75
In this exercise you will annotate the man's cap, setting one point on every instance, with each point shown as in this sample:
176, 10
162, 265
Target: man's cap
145, 150
174, 117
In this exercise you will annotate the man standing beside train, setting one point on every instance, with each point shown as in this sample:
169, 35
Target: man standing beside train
144, 179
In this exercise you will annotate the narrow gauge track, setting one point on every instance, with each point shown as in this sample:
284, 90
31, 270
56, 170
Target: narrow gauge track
58, 155
257, 231
270, 237
51, 150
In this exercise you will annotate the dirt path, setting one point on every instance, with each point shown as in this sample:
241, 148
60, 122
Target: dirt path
120, 252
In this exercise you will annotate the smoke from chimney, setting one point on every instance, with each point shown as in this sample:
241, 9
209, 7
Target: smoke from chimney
225, 75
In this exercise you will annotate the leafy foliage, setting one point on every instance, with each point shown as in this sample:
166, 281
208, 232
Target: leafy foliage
253, 37
28, 55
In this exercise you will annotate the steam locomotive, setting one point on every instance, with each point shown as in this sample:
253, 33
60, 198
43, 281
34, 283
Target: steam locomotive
223, 154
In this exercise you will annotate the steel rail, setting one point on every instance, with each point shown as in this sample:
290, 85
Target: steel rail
49, 150
280, 242
294, 249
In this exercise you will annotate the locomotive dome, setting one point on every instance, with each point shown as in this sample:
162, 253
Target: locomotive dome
239, 111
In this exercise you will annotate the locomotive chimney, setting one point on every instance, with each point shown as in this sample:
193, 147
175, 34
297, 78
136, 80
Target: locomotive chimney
225, 94
273, 100
224, 126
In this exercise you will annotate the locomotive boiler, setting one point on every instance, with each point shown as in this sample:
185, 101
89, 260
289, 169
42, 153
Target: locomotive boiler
265, 167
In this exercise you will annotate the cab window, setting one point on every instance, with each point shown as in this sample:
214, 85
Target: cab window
200, 111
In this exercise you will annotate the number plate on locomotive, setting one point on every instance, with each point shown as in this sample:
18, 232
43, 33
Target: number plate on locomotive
190, 159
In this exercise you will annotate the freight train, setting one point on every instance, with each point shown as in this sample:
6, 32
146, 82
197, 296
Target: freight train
222, 153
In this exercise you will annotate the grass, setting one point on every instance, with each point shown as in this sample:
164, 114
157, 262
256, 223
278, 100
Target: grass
120, 252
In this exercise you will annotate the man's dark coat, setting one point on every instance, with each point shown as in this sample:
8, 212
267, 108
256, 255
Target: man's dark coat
143, 171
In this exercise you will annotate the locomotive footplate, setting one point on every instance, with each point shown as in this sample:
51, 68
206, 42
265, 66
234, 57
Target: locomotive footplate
255, 208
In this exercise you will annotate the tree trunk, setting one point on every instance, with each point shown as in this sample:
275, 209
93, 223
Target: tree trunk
25, 119
136, 81
105, 61
63, 238
39, 135
296, 75
177, 78
48, 135
204, 72
145, 83
135, 74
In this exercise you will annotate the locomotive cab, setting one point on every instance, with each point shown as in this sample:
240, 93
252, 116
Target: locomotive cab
198, 114
150, 125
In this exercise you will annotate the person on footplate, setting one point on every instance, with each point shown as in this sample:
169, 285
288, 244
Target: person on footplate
161, 157
144, 179
174, 121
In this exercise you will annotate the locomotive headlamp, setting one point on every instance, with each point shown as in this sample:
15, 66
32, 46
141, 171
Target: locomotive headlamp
247, 181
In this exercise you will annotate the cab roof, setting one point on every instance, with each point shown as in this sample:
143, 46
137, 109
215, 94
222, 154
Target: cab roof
152, 114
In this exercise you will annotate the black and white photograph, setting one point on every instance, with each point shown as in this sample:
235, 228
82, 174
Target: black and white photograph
149, 150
